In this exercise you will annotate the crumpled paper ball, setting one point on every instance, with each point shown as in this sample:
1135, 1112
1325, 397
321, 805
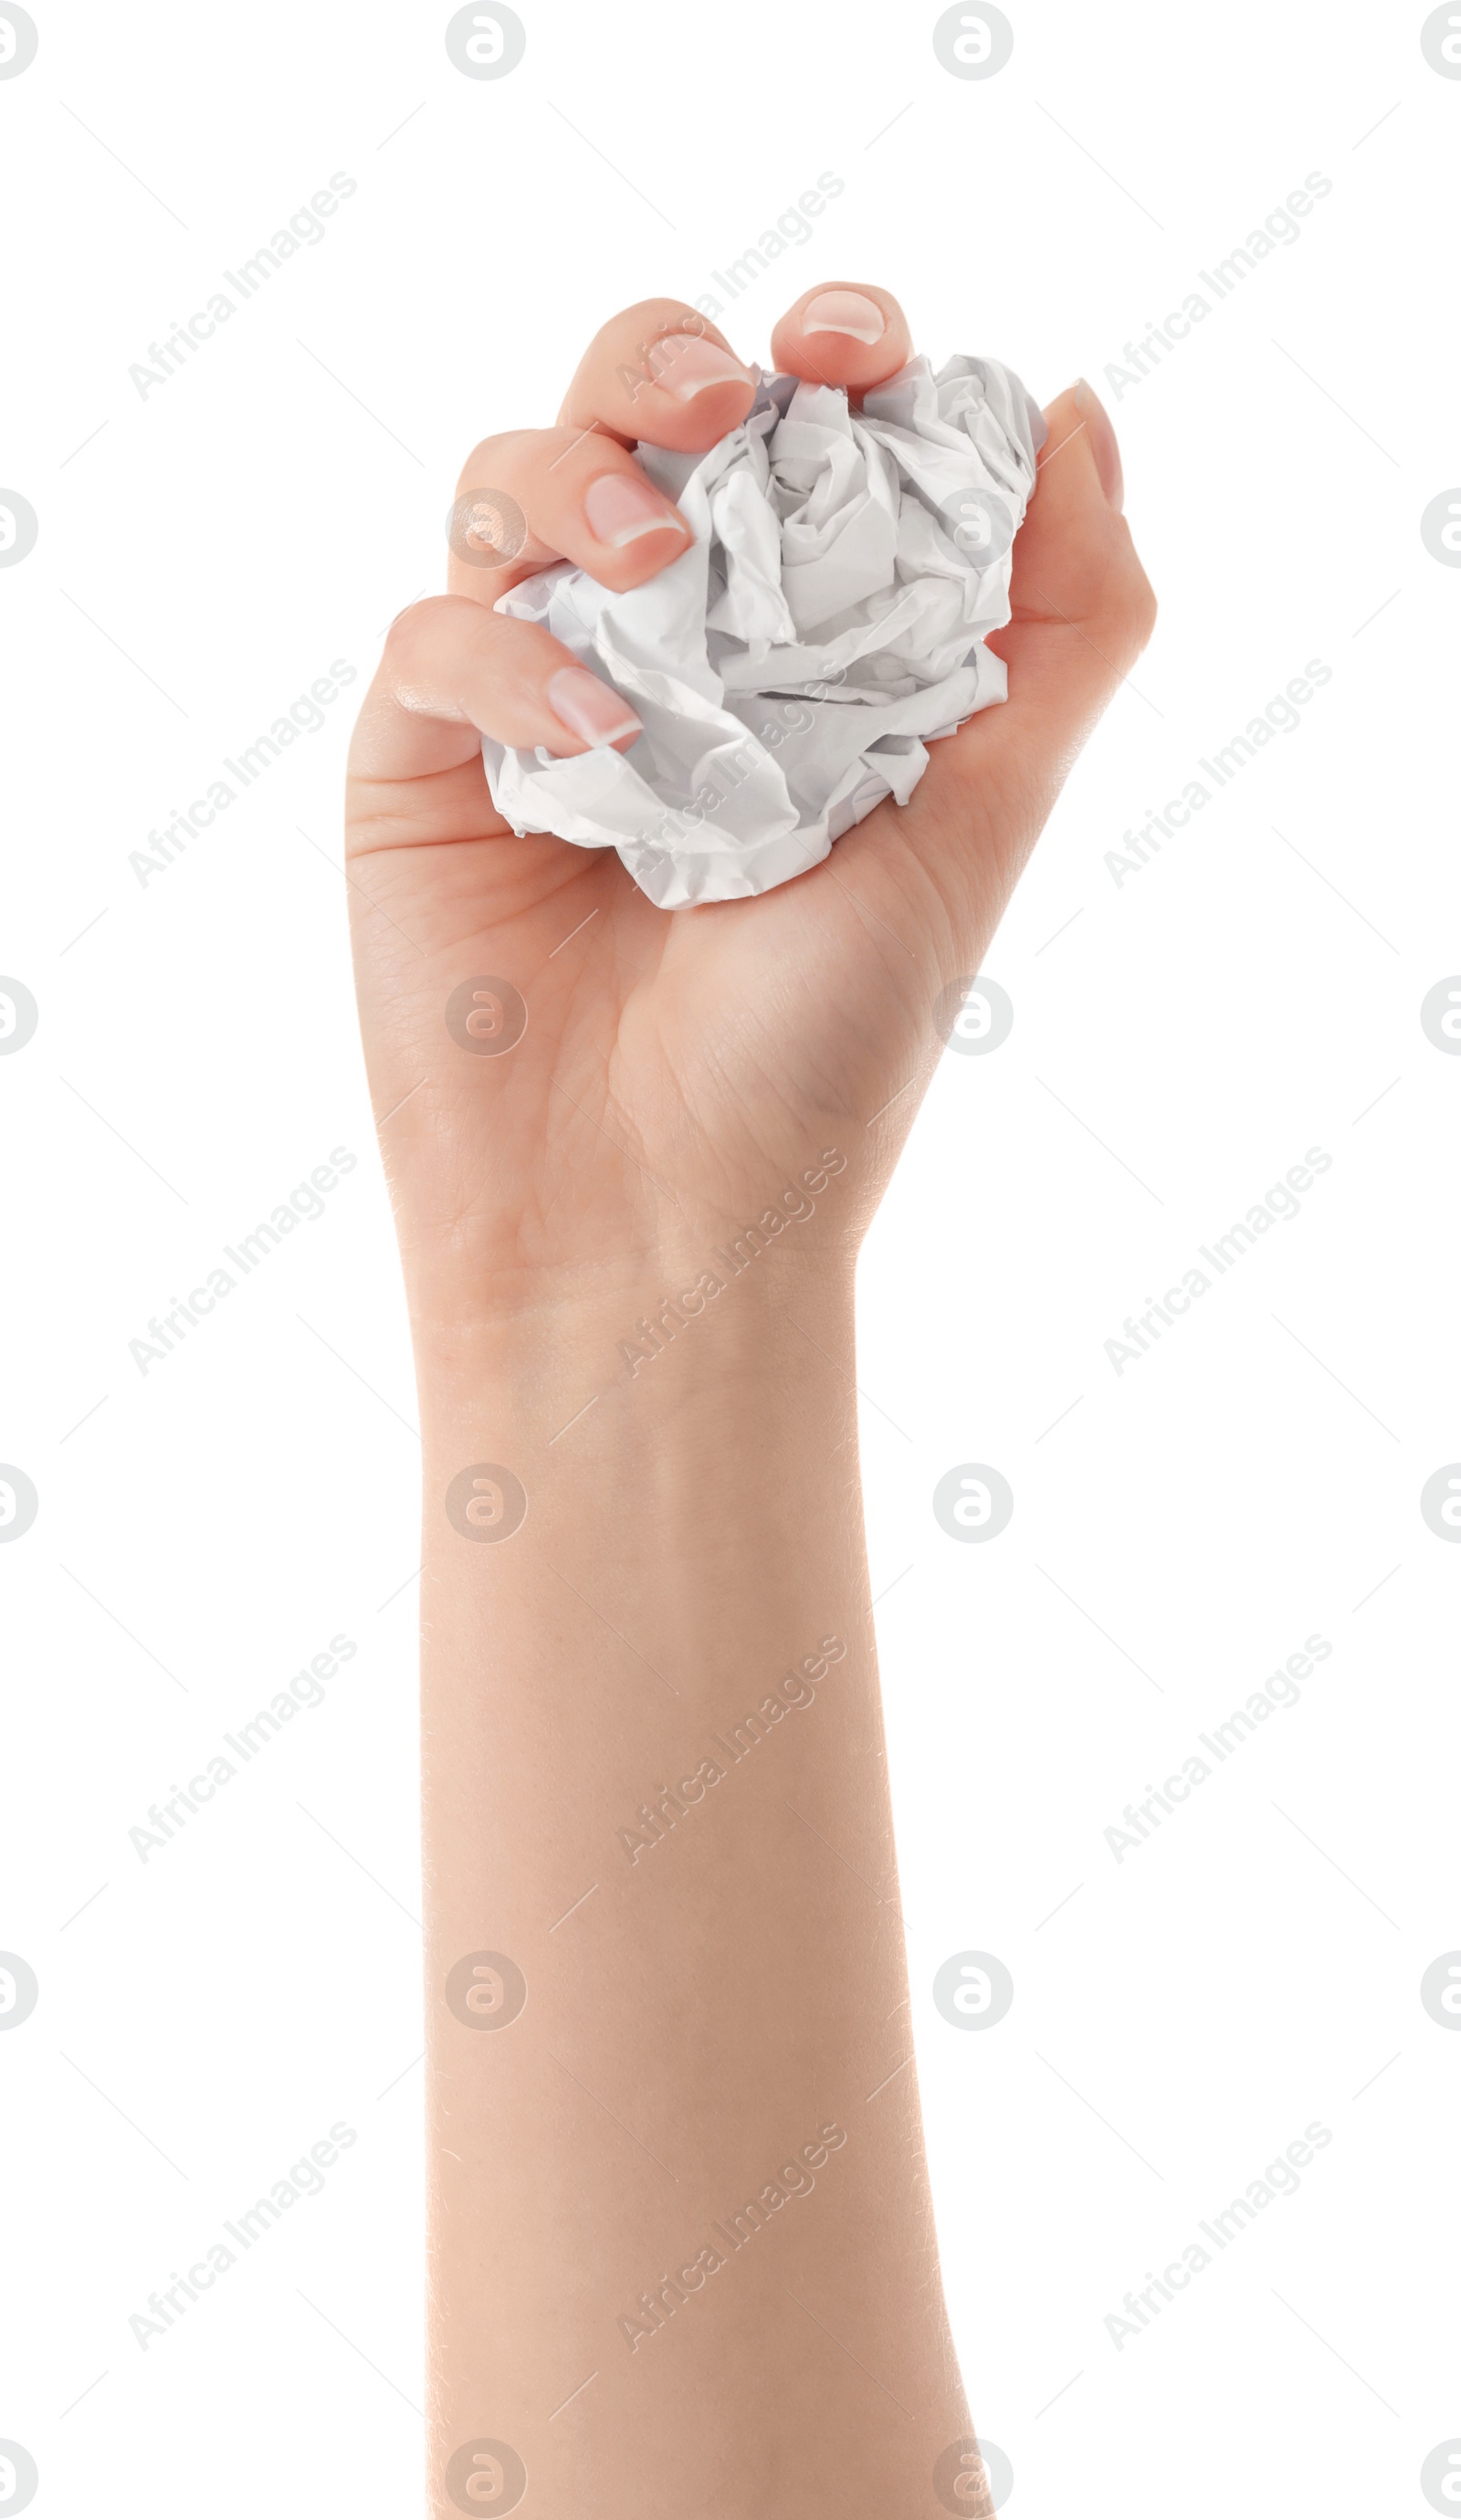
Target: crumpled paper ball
828, 618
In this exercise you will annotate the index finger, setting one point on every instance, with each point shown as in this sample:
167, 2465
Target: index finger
659, 371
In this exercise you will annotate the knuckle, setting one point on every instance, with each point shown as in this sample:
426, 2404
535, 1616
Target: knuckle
1122, 592
571, 449
493, 461
1136, 601
421, 626
651, 316
621, 360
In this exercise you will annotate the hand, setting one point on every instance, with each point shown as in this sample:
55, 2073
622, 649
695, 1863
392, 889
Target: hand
678, 1066
690, 1525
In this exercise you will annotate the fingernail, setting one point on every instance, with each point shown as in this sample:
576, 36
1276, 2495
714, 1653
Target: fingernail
844, 310
589, 708
620, 508
685, 366
1104, 445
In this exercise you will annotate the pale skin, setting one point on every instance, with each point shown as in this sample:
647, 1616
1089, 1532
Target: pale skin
702, 2004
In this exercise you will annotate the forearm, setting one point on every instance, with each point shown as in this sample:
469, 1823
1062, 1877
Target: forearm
682, 2251
654, 1780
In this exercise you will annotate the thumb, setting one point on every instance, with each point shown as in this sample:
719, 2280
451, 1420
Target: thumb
1081, 611
1081, 603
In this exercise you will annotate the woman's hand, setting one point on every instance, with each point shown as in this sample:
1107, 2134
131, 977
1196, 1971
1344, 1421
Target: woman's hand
675, 1064
654, 1778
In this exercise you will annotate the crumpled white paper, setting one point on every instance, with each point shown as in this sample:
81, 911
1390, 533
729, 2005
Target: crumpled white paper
829, 616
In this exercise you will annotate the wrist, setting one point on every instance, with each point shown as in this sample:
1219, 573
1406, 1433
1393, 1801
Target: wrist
699, 1464
738, 1270
677, 1335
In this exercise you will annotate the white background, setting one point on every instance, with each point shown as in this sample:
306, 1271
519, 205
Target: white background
1180, 1038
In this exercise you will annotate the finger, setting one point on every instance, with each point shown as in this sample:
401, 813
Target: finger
1081, 607
540, 495
842, 333
1105, 453
659, 371
1081, 612
453, 672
